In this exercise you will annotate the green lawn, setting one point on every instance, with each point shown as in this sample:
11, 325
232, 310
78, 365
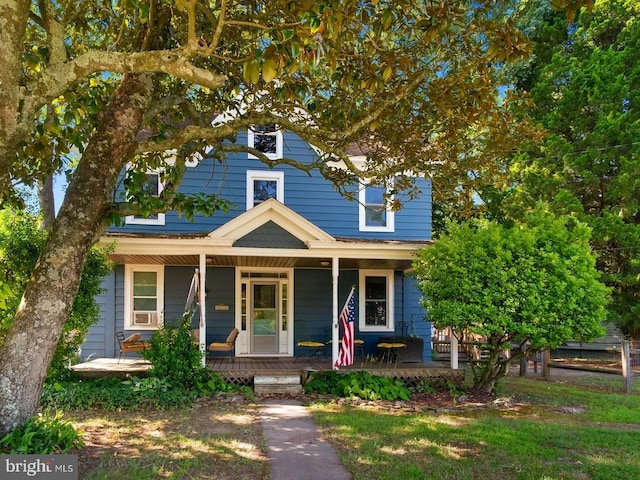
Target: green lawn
539, 430
540, 436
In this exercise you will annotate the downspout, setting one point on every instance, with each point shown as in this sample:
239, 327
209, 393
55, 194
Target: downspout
203, 308
335, 332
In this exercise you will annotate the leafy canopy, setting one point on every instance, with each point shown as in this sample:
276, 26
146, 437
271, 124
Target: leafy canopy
527, 287
411, 82
583, 81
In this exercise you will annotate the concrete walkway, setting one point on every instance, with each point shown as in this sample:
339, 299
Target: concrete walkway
294, 445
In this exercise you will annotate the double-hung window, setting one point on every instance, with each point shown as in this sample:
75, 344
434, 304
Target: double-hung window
153, 186
266, 139
263, 185
144, 296
376, 300
375, 216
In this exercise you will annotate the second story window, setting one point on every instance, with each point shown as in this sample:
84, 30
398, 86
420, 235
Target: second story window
375, 216
153, 186
266, 139
263, 185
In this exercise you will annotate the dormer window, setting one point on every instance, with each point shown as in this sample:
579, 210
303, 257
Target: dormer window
266, 139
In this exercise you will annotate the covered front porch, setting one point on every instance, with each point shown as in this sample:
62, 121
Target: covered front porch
276, 278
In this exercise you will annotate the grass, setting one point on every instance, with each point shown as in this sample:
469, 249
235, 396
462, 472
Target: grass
576, 429
213, 441
536, 438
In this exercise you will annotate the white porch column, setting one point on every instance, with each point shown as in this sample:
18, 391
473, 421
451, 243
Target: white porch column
203, 307
335, 331
454, 351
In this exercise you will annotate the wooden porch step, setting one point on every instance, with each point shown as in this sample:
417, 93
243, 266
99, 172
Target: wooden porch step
277, 383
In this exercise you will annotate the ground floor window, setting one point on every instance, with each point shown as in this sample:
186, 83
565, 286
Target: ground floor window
144, 296
376, 301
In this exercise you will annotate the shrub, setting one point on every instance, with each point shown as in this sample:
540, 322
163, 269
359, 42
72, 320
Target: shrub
358, 384
42, 435
20, 244
174, 356
132, 394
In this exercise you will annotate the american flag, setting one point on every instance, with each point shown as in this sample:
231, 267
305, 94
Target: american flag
347, 317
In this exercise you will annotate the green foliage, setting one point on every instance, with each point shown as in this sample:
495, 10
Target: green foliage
359, 384
583, 81
131, 394
20, 244
42, 435
104, 393
424, 387
530, 286
174, 356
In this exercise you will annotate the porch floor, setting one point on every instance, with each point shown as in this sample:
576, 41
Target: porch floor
241, 370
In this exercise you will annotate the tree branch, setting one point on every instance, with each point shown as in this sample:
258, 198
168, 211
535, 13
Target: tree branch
61, 76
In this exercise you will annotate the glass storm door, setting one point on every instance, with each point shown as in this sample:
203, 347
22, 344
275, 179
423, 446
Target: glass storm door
264, 317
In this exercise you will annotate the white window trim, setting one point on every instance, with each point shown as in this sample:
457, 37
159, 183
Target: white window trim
139, 220
389, 227
129, 269
264, 175
279, 142
390, 276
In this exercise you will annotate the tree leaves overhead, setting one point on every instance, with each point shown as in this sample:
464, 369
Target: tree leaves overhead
413, 82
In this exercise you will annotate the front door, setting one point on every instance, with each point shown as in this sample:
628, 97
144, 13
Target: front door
264, 317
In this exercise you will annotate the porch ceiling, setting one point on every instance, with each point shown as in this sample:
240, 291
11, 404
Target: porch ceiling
259, 261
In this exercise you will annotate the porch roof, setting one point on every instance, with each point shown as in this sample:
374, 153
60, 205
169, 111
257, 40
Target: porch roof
185, 250
268, 235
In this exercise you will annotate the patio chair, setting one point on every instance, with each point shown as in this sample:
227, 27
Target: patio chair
309, 347
131, 344
228, 346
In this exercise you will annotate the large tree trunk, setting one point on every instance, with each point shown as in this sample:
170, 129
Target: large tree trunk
47, 202
13, 23
36, 328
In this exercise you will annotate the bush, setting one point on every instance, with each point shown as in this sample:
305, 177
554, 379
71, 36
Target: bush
357, 384
20, 244
132, 394
174, 356
42, 435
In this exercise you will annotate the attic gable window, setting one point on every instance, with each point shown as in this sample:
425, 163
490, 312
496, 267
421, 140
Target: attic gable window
263, 185
153, 186
266, 139
375, 216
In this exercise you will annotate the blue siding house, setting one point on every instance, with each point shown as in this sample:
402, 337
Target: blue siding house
278, 265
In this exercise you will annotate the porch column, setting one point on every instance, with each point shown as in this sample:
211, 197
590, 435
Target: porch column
454, 351
335, 331
203, 307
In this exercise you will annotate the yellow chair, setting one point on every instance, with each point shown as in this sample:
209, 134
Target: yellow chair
131, 344
310, 345
390, 351
228, 346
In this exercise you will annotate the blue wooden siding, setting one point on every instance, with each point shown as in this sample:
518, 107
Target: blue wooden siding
220, 291
98, 341
313, 304
311, 196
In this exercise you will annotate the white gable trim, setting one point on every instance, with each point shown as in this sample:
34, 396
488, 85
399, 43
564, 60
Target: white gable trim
275, 211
